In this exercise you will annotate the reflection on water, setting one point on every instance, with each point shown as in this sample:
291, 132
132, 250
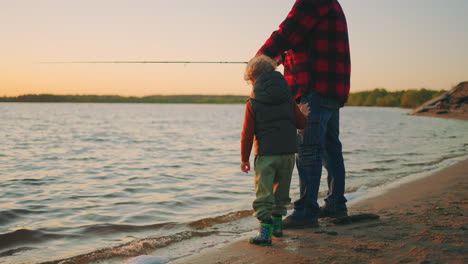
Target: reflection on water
75, 177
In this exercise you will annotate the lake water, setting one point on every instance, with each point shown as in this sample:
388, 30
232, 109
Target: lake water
75, 178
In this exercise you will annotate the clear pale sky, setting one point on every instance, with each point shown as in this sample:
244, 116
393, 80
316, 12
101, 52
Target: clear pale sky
395, 44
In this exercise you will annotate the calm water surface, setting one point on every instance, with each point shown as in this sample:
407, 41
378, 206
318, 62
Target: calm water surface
77, 177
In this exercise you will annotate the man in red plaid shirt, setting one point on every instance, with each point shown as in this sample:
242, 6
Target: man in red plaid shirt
313, 45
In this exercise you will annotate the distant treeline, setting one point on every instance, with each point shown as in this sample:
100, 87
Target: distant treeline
160, 99
376, 97
381, 97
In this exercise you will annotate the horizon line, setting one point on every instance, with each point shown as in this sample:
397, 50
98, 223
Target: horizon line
160, 62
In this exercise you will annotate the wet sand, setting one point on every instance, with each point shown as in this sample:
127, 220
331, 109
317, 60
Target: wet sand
424, 221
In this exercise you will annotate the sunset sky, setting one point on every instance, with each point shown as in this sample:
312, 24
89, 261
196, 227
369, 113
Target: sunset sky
395, 44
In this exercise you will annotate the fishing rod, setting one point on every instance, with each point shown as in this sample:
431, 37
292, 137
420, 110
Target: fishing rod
160, 62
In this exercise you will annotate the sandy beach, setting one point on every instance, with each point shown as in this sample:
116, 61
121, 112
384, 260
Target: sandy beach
424, 221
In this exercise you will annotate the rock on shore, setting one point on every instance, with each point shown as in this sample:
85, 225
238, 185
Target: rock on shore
453, 103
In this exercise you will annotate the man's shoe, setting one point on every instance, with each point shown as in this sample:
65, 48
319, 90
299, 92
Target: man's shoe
324, 212
291, 222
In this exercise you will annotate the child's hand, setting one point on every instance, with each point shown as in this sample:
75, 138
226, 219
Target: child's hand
278, 59
245, 167
305, 109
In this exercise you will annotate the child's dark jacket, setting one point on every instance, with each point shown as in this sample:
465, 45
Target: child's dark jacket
274, 116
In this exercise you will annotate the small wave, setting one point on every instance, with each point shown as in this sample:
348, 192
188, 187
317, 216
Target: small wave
364, 173
82, 159
134, 190
386, 161
376, 169
206, 149
433, 162
11, 252
105, 177
420, 164
35, 183
106, 229
173, 177
208, 222
26, 180
37, 207
413, 154
26, 236
79, 197
134, 168
355, 151
115, 195
171, 166
208, 198
234, 192
96, 139
14, 214
142, 141
197, 163
132, 249
51, 158
173, 203
126, 203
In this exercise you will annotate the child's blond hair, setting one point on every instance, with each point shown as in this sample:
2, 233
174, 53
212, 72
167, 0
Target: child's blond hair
258, 65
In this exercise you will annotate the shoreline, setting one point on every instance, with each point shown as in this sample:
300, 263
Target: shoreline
422, 221
450, 115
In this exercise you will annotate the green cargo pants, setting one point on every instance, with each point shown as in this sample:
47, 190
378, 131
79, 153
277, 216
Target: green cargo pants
272, 182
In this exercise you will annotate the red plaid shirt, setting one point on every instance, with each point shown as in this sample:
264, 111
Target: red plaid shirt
315, 37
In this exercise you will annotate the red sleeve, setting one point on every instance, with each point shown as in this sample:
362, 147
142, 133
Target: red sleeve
248, 132
301, 119
303, 16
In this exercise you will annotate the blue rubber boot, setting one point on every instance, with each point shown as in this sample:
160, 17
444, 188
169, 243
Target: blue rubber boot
277, 226
263, 237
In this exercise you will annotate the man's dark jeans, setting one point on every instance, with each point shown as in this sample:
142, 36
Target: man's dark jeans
319, 145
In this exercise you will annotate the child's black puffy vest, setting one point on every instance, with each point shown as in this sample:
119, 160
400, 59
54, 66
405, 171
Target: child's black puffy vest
275, 122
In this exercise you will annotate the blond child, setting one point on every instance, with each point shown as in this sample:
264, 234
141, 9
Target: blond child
271, 120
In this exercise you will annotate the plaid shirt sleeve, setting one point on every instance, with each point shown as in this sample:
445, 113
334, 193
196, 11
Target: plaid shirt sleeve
304, 15
315, 36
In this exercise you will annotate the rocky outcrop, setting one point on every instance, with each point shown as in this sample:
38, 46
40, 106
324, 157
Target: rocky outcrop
453, 101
